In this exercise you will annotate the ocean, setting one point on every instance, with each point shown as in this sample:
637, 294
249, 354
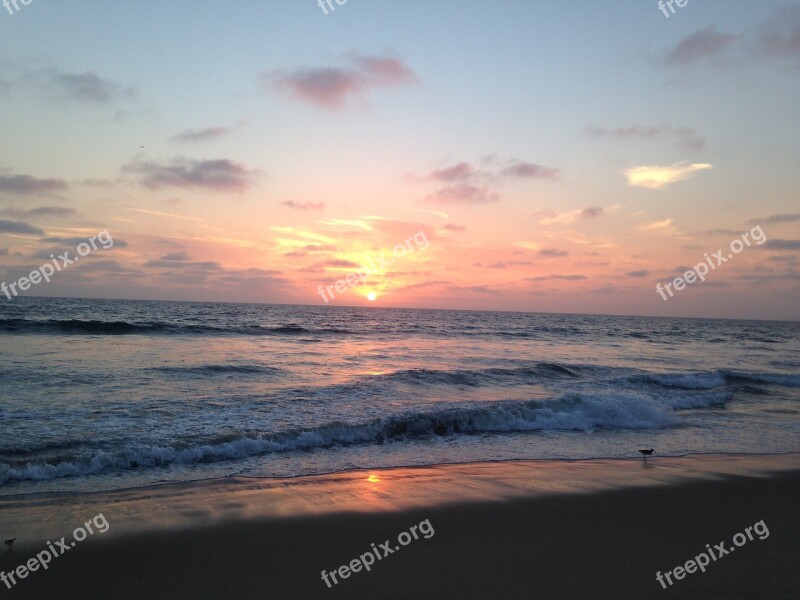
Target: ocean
110, 394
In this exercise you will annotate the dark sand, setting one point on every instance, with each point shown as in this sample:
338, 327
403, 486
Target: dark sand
534, 529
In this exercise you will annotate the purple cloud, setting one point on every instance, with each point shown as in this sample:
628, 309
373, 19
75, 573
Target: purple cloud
700, 45
202, 135
218, 175
333, 87
19, 227
304, 205
463, 194
460, 172
25, 185
530, 171
553, 252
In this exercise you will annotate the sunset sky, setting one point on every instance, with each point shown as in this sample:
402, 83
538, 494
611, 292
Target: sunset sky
558, 156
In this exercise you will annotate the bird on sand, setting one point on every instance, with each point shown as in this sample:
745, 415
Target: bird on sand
10, 544
646, 453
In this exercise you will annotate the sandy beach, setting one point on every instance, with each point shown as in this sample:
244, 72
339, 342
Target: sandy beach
541, 529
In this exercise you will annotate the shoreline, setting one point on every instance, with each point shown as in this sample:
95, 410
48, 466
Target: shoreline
371, 490
210, 480
507, 529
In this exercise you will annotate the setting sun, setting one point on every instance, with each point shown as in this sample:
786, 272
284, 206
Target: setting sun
372, 296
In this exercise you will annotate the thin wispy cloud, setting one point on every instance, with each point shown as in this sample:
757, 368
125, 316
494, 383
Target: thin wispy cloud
775, 219
655, 225
552, 252
656, 177
85, 87
684, 137
701, 45
19, 227
359, 223
556, 278
220, 175
332, 87
591, 212
200, 135
781, 245
27, 185
303, 205
41, 211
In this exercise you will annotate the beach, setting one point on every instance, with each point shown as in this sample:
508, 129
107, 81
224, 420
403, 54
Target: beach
511, 529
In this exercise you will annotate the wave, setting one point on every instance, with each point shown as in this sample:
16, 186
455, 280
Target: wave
211, 370
478, 377
569, 412
89, 327
713, 379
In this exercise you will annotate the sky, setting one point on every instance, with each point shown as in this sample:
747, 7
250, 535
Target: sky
567, 156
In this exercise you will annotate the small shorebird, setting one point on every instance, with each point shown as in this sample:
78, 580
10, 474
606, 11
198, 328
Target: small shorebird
10, 544
646, 453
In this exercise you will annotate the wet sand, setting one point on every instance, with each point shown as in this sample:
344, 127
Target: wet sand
532, 529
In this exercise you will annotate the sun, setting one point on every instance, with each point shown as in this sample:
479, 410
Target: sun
372, 296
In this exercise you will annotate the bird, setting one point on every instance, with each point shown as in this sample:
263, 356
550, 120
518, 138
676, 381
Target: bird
10, 544
646, 453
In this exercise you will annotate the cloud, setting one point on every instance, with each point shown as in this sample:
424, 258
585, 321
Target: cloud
332, 87
3, 251
180, 256
558, 277
460, 172
183, 264
218, 175
656, 177
202, 135
781, 245
19, 227
550, 217
463, 194
87, 87
453, 227
785, 218
74, 241
592, 212
527, 170
46, 211
684, 137
345, 264
700, 45
360, 223
655, 225
304, 205
640, 273
25, 185
552, 252
779, 35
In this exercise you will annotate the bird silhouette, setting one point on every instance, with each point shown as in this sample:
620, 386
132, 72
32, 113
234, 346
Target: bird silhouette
10, 544
646, 453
